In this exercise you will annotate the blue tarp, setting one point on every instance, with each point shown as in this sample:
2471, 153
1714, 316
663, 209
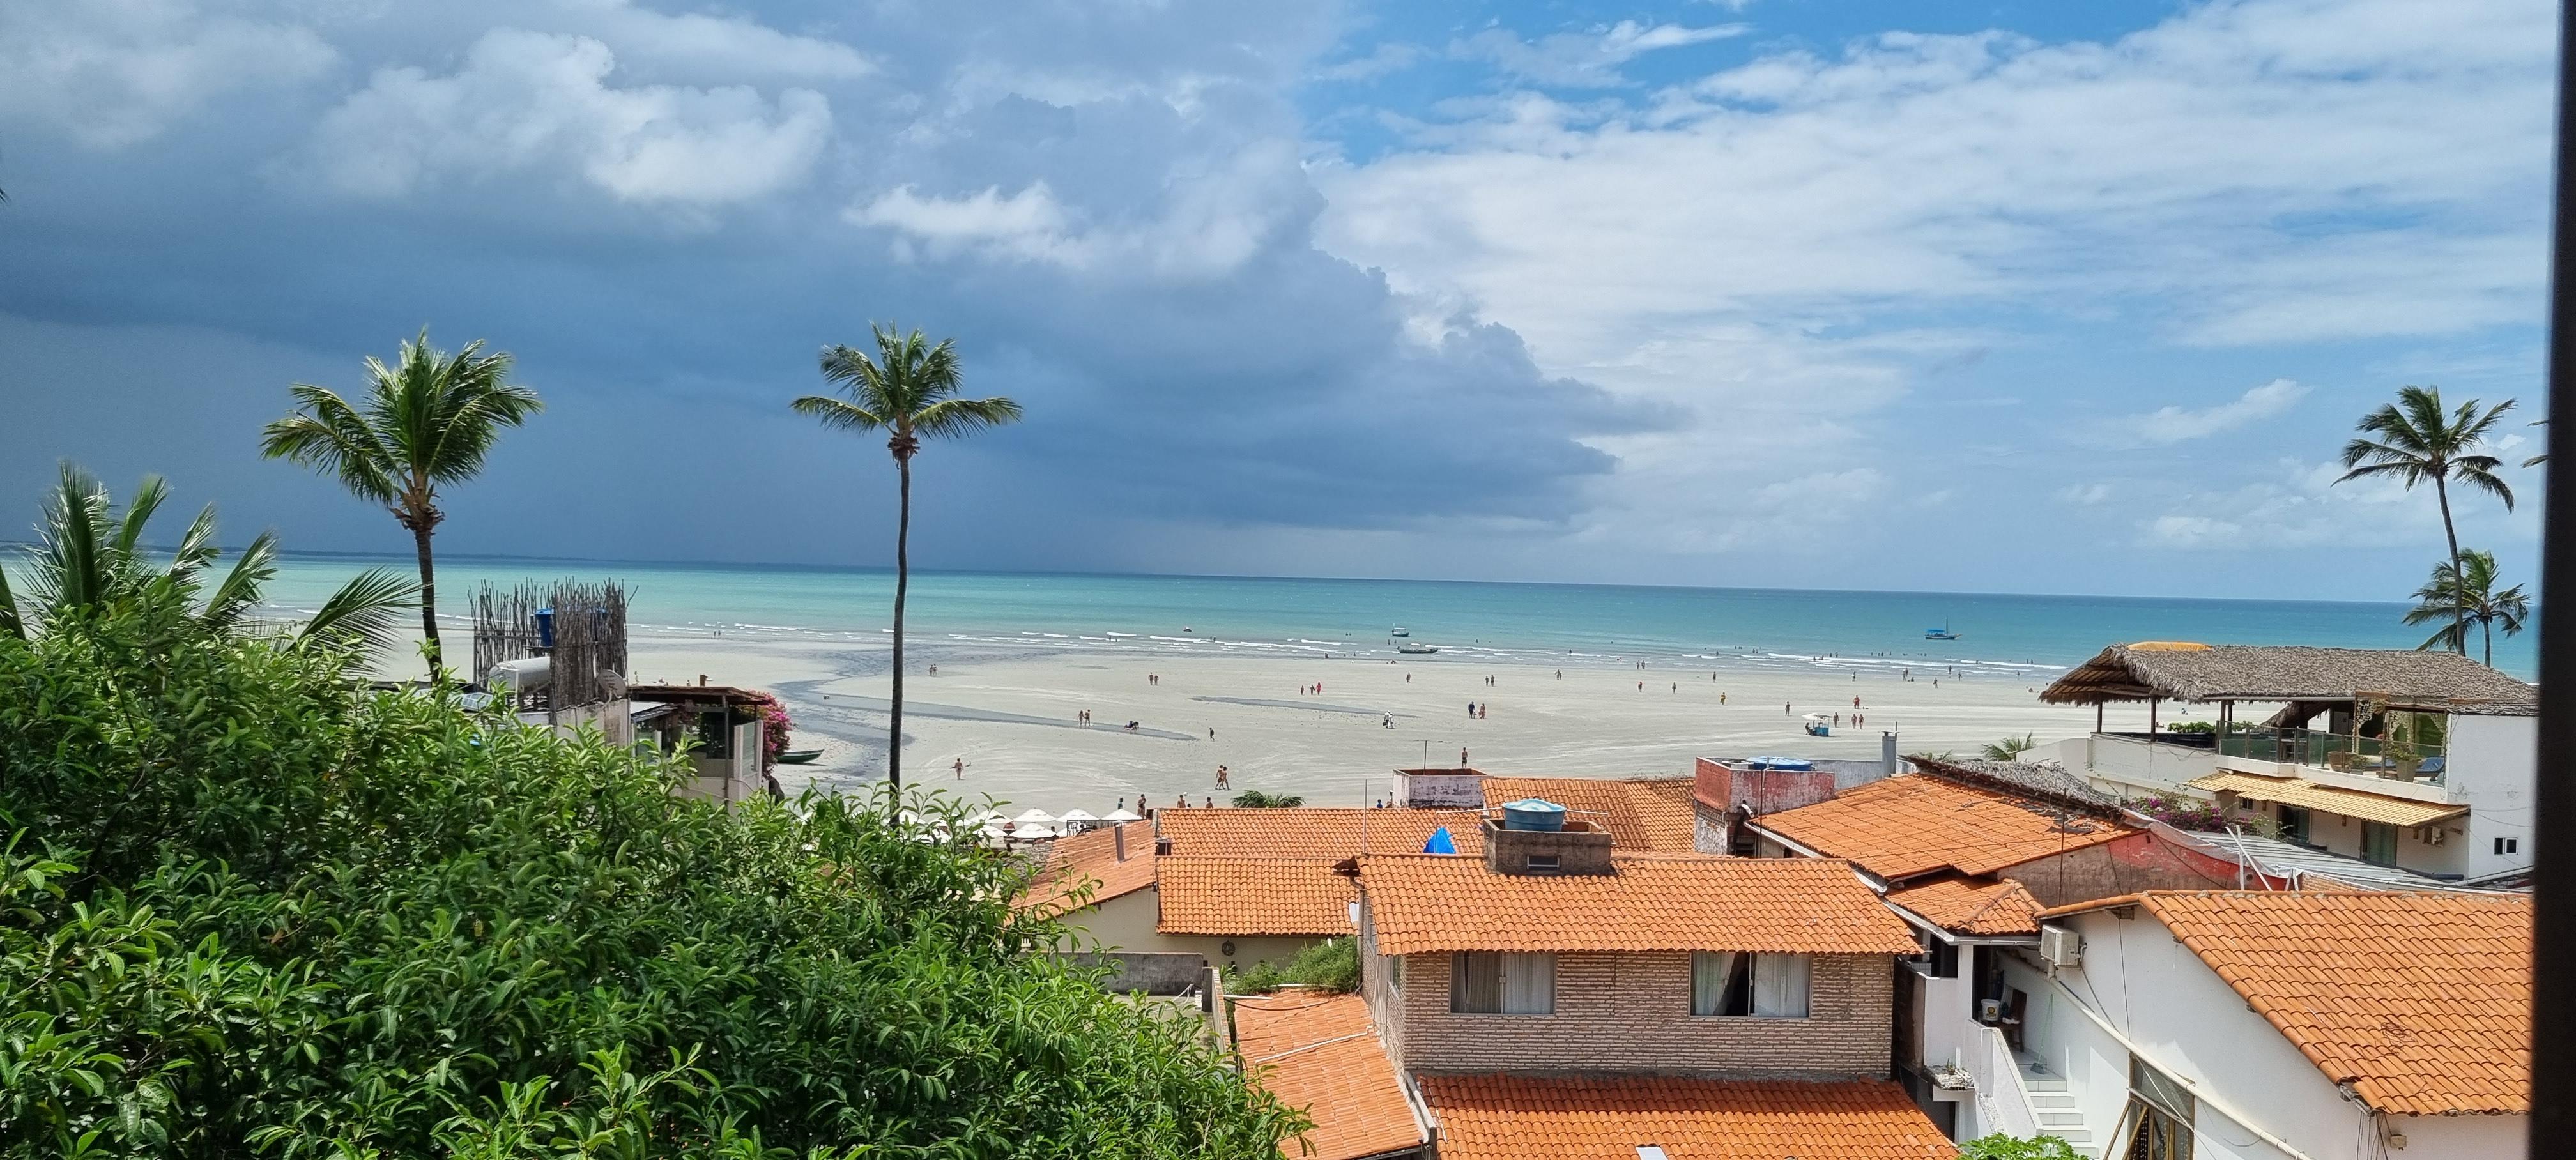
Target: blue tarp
1440, 843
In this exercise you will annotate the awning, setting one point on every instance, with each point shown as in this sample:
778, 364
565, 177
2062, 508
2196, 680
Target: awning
2305, 794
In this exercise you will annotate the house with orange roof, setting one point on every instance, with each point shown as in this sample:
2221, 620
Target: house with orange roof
2341, 1025
1319, 1053
1555, 995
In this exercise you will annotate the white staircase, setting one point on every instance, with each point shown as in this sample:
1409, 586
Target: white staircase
2055, 1107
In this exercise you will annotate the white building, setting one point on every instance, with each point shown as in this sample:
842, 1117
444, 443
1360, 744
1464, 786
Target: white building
2268, 1026
2419, 760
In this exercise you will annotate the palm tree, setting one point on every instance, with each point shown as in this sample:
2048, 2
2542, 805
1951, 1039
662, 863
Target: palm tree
2417, 441
2465, 594
909, 390
90, 562
2011, 748
428, 420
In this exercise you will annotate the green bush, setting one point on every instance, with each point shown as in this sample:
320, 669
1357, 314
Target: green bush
2003, 1147
1332, 965
248, 909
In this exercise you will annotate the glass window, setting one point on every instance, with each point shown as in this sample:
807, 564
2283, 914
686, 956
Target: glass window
1728, 983
2162, 1109
2379, 843
2294, 824
1488, 983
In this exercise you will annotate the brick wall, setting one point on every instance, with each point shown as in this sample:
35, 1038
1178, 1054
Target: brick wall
1768, 791
1632, 1012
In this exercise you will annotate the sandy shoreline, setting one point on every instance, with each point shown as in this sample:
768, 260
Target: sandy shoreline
1011, 716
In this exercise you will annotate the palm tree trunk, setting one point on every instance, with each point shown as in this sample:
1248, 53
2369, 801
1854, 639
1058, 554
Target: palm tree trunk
2486, 634
902, 581
2459, 616
428, 599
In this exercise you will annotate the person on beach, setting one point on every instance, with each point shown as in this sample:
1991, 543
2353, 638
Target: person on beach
1855, 702
1462, 755
1784, 708
1220, 777
960, 767
1721, 698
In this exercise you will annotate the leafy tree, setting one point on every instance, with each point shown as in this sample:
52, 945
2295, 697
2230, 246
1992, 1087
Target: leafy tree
248, 907
908, 390
91, 561
2002, 1147
2414, 441
2011, 748
2468, 595
1330, 965
1255, 799
427, 421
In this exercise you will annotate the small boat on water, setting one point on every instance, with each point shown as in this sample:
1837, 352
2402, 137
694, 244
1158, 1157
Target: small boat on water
1819, 725
799, 756
1399, 632
1941, 633
1415, 650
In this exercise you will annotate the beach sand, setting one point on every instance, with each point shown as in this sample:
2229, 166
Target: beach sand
1011, 717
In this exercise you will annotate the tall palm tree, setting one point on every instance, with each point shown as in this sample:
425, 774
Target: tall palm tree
2468, 594
90, 562
428, 420
2416, 441
908, 390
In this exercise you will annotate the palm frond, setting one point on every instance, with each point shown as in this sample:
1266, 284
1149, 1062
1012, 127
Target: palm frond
332, 436
2478, 471
950, 418
366, 613
838, 414
69, 572
9, 622
197, 548
242, 584
123, 551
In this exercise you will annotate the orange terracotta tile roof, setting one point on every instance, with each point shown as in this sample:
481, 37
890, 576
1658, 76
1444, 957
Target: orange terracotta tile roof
1655, 902
1644, 814
1511, 1117
1973, 906
2422, 1002
1313, 832
1321, 1054
1253, 896
1907, 825
1092, 859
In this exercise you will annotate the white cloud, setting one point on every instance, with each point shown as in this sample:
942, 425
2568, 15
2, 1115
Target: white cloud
114, 73
2084, 494
2174, 424
1583, 59
698, 46
1384, 60
526, 103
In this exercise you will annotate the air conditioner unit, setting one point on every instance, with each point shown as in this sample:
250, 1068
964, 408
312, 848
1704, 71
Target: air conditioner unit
1990, 1010
2061, 947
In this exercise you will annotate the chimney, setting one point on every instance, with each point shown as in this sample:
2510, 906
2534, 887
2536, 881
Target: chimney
1118, 838
1162, 845
1887, 752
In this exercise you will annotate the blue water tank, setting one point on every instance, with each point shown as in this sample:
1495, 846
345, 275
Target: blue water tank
1793, 764
1534, 814
545, 628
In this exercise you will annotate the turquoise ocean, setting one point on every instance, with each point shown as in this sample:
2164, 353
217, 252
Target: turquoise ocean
1557, 624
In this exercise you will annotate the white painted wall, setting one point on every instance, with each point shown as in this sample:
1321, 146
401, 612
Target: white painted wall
2129, 766
2190, 1023
2493, 769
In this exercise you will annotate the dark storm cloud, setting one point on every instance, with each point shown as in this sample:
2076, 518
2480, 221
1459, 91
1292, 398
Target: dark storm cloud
666, 218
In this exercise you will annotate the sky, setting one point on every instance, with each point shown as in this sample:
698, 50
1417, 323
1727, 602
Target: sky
2027, 297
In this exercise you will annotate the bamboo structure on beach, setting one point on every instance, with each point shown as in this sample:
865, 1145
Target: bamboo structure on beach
588, 656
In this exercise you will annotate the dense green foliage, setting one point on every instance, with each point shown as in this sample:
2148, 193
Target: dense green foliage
2003, 1147
1332, 965
1256, 799
248, 909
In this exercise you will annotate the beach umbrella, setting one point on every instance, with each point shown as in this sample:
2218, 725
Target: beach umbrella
990, 818
1123, 814
1034, 817
1028, 833
1079, 814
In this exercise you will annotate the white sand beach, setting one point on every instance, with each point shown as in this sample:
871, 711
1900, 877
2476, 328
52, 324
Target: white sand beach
1012, 717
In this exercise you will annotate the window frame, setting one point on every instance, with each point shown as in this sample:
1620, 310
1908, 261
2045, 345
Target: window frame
1742, 986
1502, 966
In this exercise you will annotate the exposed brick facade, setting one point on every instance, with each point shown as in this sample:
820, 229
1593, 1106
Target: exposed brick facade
1631, 1012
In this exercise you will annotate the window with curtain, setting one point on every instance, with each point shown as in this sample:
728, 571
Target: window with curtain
1491, 983
1728, 983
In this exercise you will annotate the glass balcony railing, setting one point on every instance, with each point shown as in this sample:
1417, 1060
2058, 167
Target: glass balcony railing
2340, 752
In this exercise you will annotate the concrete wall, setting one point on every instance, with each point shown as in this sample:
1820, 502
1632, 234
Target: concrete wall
1767, 791
1632, 1012
2192, 1025
2130, 766
1152, 973
2492, 769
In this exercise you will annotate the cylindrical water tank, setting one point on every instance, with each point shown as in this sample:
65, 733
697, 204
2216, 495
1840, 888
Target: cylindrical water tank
1534, 814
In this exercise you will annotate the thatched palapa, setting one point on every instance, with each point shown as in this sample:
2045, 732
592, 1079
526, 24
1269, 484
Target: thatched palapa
2396, 678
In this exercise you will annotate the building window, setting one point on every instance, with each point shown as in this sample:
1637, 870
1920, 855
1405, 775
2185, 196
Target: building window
1543, 864
2161, 1110
1395, 972
1492, 983
2379, 843
1765, 986
2508, 845
2294, 824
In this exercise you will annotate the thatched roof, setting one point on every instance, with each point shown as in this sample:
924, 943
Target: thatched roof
2178, 671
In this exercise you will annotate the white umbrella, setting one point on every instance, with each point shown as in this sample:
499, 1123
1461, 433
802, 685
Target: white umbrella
992, 818
1034, 817
1123, 814
1026, 833
1079, 814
